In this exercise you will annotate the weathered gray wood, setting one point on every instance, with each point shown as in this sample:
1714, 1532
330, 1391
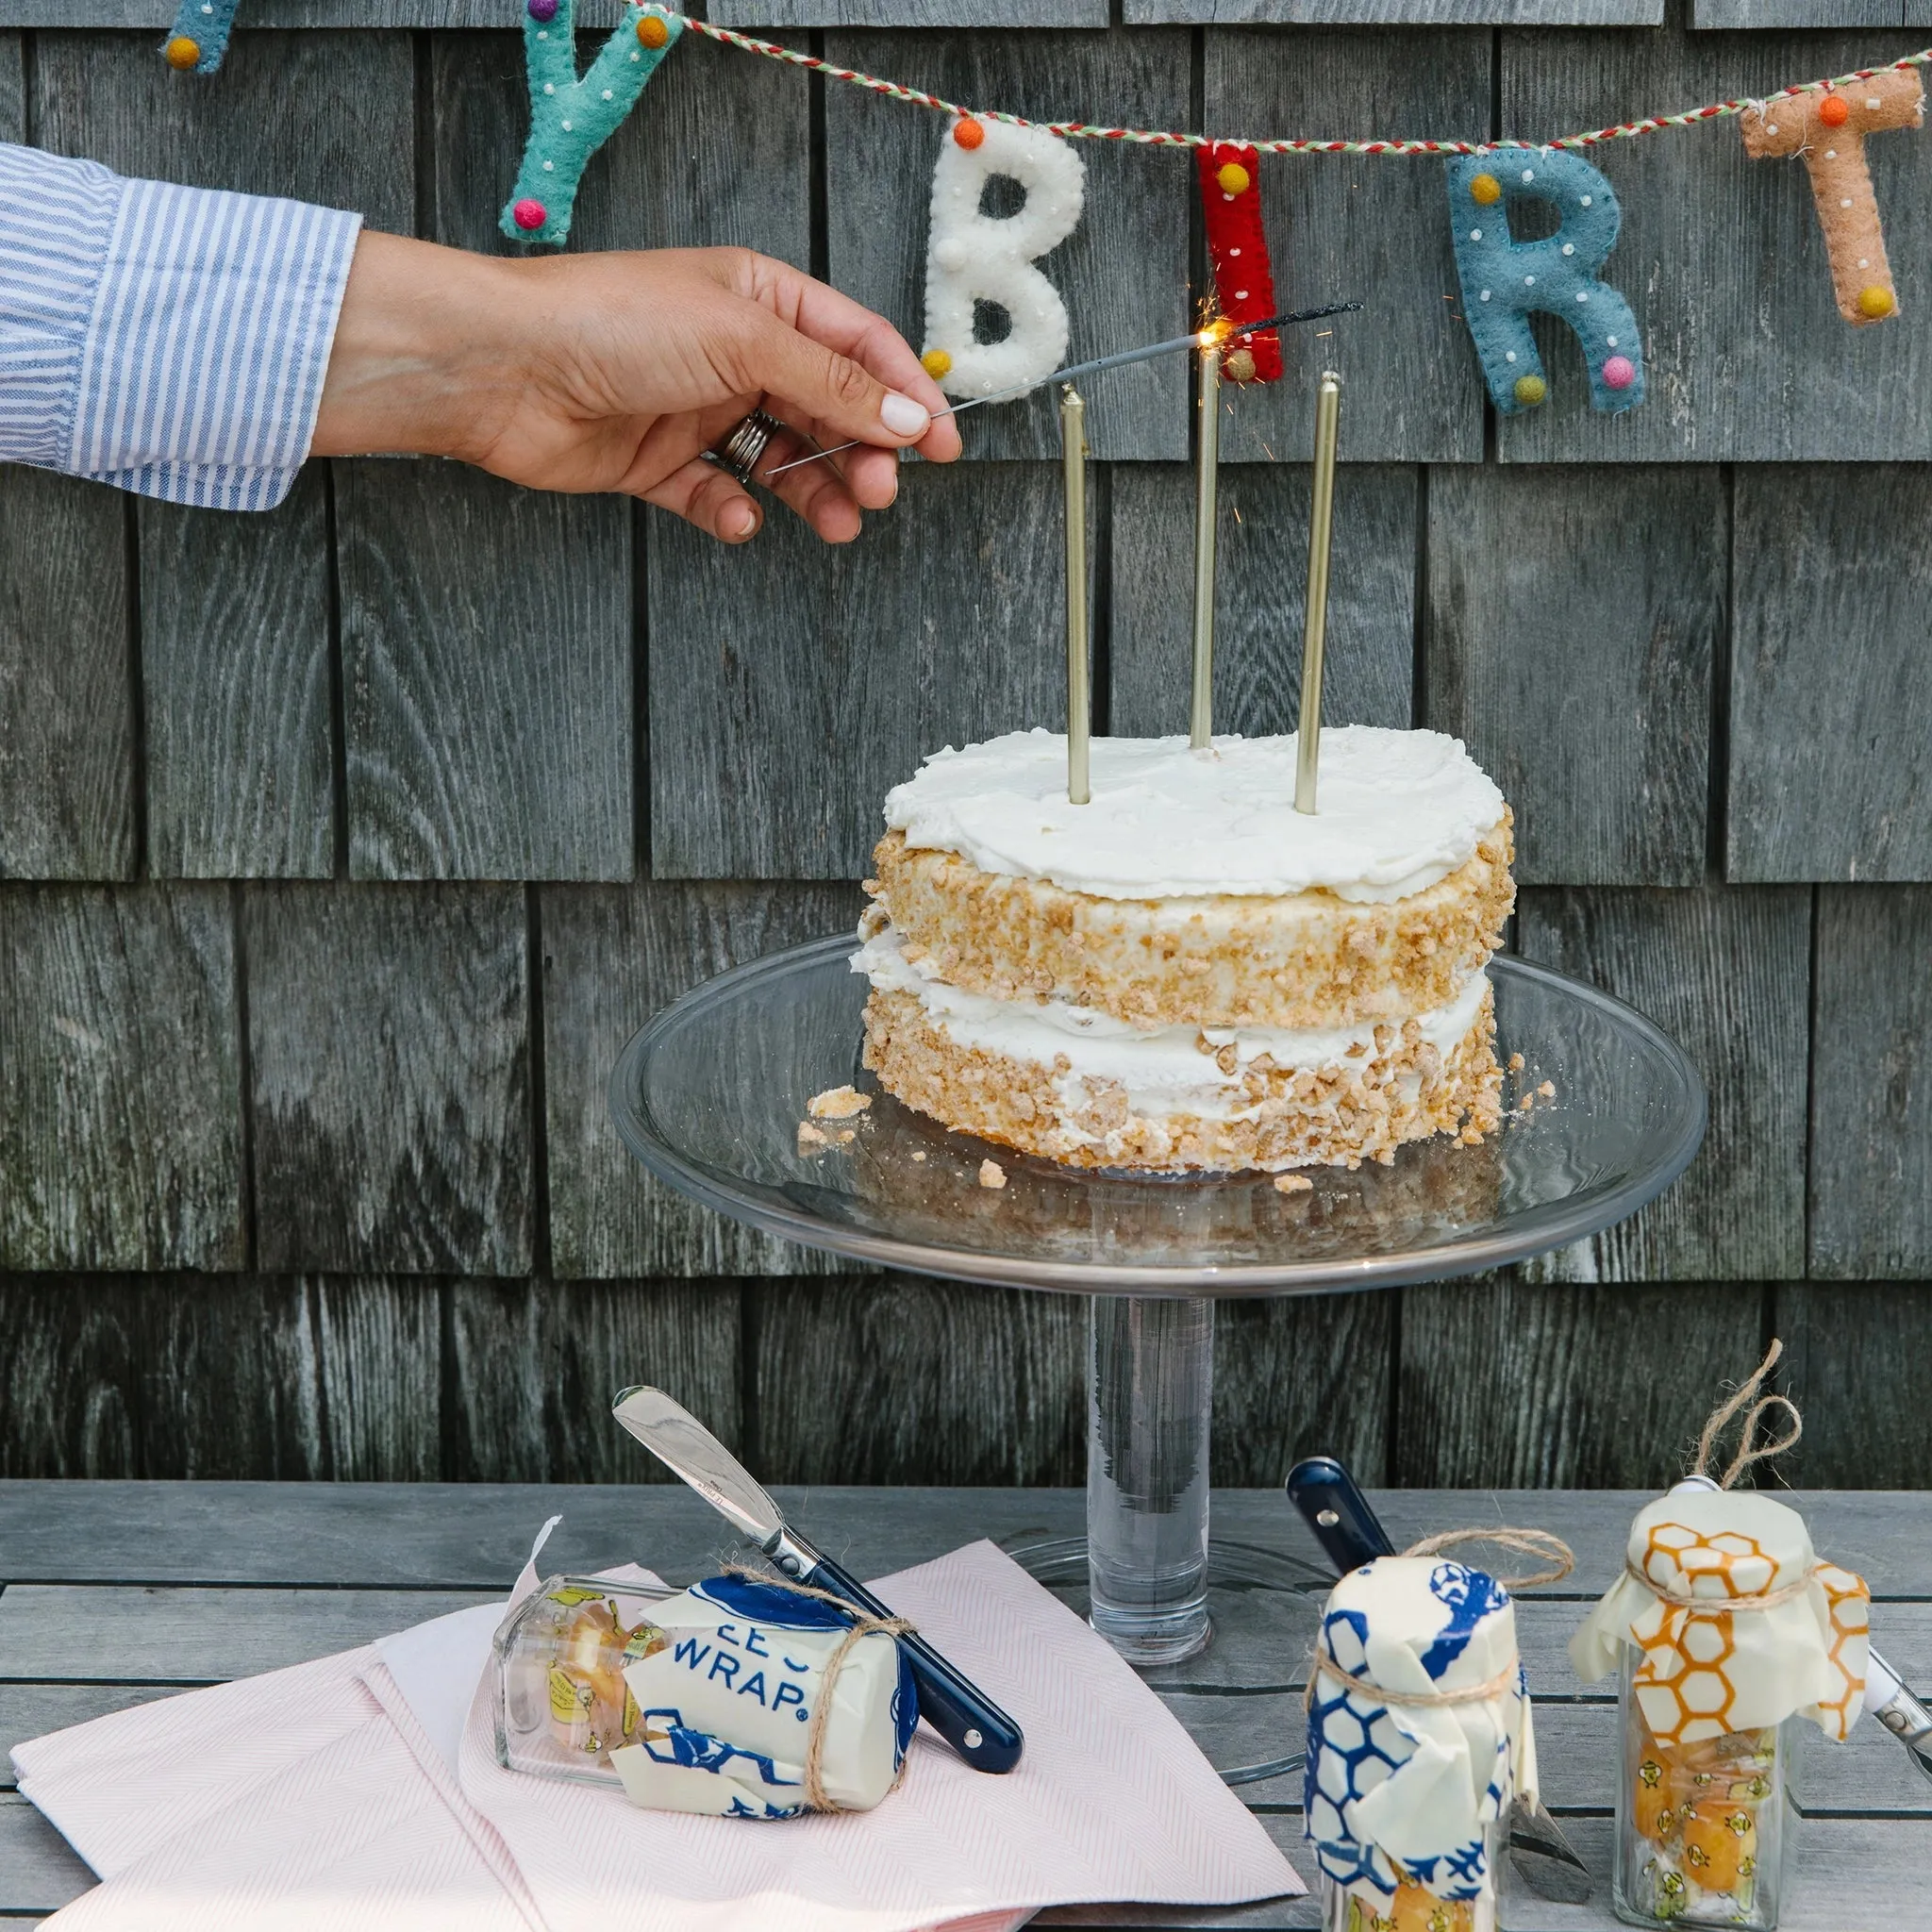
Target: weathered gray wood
486, 675
921, 13
1302, 1376
879, 159
1870, 1192
379, 1349
67, 807
1358, 228
207, 1377
534, 1365
1503, 1381
1571, 623
1417, 13
37, 1872
673, 176
233, 630
1830, 723
1727, 974
120, 1128
613, 956
1721, 258
389, 1034
320, 116
31, 1710
1853, 1352
1791, 13
793, 685
149, 15
12, 88
1260, 593
869, 1377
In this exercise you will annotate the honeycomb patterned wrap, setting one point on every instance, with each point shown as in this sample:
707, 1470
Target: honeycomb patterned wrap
1419, 1739
1738, 1623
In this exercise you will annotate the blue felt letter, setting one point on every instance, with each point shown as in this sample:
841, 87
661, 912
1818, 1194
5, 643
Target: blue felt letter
1504, 280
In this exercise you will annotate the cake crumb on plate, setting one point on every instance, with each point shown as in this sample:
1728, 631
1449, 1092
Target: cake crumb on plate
810, 1137
837, 1104
1292, 1184
1516, 1063
918, 1155
991, 1175
1548, 1089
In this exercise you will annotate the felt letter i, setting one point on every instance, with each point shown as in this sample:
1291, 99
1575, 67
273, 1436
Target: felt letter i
571, 118
1503, 280
1828, 128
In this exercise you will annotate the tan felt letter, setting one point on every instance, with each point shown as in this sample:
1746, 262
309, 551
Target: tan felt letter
1828, 128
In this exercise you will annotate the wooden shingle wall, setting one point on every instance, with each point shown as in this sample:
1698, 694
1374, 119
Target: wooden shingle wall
341, 847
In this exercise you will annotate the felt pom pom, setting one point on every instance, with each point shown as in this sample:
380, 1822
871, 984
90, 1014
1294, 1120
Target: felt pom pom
542, 9
1875, 302
182, 53
1619, 372
1233, 178
528, 214
936, 364
1486, 190
968, 132
652, 31
1834, 110
1531, 389
1238, 365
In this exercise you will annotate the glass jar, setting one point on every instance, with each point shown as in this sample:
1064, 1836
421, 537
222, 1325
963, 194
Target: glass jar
1359, 1907
562, 1704
1704, 1830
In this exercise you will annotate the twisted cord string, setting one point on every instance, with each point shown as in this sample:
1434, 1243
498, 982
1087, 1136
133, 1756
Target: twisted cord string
1722, 1606
864, 1625
1149, 136
1525, 1542
1506, 1680
1721, 1418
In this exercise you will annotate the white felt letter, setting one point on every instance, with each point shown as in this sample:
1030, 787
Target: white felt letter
979, 257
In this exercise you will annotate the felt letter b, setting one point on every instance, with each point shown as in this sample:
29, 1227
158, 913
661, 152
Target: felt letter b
1504, 280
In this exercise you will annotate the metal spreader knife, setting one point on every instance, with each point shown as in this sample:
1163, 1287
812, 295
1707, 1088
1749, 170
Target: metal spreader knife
950, 1702
1351, 1534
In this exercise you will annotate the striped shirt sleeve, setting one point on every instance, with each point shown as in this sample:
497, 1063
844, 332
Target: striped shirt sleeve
169, 340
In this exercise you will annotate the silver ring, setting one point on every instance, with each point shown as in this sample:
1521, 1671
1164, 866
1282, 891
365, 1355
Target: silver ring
740, 451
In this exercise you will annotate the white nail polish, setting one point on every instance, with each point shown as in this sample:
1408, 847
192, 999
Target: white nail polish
902, 415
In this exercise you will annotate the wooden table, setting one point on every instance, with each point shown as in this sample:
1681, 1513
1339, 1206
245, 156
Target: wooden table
117, 1592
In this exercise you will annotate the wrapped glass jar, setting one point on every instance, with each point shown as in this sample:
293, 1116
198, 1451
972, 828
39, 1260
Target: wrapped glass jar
1704, 1830
1412, 1908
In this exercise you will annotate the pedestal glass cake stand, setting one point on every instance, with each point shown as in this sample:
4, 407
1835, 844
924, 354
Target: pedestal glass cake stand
709, 1096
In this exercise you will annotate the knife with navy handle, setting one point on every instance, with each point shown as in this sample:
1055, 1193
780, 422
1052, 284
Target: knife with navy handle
1351, 1534
949, 1701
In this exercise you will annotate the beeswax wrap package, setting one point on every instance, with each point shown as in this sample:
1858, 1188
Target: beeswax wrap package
1399, 1790
1738, 1623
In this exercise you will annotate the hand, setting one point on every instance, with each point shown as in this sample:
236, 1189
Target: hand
613, 373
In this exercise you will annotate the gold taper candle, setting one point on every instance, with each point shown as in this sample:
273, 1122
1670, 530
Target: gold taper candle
1079, 701
1206, 509
1315, 629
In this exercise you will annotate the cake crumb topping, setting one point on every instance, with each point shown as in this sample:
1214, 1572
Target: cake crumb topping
1293, 1184
991, 1175
810, 1137
837, 1104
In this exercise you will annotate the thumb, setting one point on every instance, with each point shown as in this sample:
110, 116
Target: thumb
819, 384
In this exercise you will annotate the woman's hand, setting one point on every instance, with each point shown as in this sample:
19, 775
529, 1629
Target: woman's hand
614, 372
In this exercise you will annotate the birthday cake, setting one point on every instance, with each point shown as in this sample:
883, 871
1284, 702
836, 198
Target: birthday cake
1186, 972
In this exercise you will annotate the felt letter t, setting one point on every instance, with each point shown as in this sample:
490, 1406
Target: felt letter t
1503, 280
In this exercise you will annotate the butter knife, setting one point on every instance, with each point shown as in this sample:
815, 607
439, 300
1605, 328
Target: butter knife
949, 1701
1351, 1534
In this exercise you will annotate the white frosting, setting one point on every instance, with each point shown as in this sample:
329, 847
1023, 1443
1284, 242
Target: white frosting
1397, 811
1162, 1068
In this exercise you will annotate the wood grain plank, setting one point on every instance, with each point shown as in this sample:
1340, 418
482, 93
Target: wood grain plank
1413, 14
1726, 973
1852, 1360
320, 116
486, 675
120, 1079
1870, 1186
1359, 228
534, 1365
150, 15
1573, 620
1747, 359
613, 956
896, 1378
234, 676
379, 1348
673, 176
879, 162
793, 684
918, 13
1303, 1375
1260, 598
1503, 1381
67, 808
1708, 14
187, 1378
12, 88
388, 1035
37, 1872
1830, 777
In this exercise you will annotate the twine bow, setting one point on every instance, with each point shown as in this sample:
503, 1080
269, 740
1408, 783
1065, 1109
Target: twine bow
863, 1624
1721, 1418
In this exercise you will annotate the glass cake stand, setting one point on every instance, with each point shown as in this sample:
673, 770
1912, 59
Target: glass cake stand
709, 1096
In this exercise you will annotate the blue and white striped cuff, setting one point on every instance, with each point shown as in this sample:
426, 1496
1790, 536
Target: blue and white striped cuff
171, 340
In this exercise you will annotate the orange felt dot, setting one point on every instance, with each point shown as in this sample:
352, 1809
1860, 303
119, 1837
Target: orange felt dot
968, 132
653, 31
1234, 178
936, 364
1875, 302
182, 53
1834, 110
1484, 189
